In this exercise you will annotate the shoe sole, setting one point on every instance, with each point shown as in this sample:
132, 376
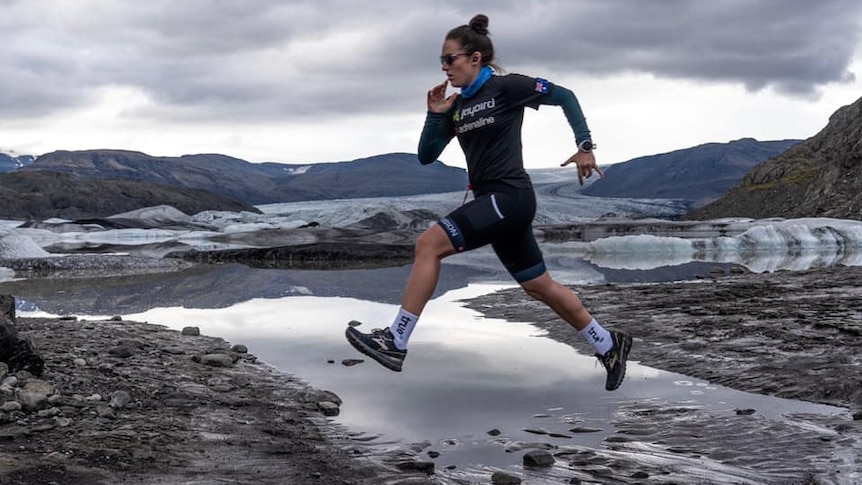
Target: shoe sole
625, 347
360, 346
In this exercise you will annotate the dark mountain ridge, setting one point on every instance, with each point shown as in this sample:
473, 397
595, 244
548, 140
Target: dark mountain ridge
820, 177
261, 183
42, 195
701, 173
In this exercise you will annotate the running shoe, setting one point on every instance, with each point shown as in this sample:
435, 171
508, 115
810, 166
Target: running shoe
379, 345
614, 360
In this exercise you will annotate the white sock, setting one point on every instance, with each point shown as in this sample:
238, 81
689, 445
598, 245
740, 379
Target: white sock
402, 327
598, 337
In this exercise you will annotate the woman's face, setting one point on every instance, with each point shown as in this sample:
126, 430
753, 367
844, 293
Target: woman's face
460, 67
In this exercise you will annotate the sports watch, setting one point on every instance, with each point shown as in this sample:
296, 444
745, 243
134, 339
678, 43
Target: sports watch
586, 146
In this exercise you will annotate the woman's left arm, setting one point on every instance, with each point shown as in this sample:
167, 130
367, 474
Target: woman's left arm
566, 99
584, 159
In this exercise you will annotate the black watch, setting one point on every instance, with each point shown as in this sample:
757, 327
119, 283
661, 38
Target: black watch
586, 146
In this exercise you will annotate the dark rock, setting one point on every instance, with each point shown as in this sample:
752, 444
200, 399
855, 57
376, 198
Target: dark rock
503, 478
745, 412
18, 353
494, 432
240, 349
192, 331
7, 307
329, 408
426, 467
538, 458
351, 362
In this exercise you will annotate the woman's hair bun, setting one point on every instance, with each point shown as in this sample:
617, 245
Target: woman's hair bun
479, 24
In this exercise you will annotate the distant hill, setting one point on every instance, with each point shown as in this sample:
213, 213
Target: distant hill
820, 177
43, 195
700, 174
9, 162
392, 174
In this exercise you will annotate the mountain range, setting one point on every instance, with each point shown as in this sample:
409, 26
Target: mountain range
743, 178
701, 174
392, 174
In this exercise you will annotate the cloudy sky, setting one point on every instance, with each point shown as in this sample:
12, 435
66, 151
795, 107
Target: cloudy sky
300, 81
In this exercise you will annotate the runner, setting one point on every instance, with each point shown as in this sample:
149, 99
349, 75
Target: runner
486, 117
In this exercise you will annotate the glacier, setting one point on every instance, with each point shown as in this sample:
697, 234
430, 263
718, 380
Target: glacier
654, 239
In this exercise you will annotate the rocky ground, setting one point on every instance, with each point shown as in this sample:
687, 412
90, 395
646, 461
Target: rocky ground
795, 335
129, 402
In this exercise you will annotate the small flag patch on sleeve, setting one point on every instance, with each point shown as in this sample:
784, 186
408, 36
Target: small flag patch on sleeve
542, 85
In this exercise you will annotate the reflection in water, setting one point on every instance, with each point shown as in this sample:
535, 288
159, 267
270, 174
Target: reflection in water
464, 376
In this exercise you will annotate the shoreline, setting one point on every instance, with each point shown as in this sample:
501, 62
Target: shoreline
191, 421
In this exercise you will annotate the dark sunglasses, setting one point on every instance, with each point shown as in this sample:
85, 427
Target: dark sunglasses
448, 59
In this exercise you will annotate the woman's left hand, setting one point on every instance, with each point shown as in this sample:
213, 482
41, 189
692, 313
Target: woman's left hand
586, 163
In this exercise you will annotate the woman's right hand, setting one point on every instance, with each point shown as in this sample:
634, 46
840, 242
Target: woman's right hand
437, 100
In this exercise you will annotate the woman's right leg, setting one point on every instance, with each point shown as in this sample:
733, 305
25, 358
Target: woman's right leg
389, 346
431, 247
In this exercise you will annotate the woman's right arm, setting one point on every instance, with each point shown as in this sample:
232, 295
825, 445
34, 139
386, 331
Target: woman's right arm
437, 132
435, 137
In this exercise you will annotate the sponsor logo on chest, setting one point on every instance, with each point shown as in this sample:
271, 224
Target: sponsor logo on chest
472, 111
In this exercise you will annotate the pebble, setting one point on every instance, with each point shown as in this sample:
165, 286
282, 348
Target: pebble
192, 331
120, 351
217, 360
31, 401
119, 399
10, 406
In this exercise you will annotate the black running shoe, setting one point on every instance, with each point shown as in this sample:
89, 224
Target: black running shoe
615, 359
379, 345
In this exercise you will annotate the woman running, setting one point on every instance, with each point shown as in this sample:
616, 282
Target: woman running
486, 117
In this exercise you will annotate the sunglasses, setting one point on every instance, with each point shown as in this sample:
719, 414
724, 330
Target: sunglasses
448, 59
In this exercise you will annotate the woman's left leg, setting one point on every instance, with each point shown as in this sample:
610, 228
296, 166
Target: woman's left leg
560, 299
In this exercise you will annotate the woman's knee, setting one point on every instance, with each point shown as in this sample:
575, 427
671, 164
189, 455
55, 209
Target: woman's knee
433, 242
539, 288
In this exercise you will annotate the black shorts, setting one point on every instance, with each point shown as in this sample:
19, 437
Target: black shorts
502, 216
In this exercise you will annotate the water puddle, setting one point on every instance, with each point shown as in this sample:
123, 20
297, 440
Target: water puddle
475, 392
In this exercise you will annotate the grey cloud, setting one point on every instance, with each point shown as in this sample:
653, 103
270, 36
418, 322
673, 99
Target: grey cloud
793, 45
268, 59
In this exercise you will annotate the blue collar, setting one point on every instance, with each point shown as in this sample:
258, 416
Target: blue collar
477, 84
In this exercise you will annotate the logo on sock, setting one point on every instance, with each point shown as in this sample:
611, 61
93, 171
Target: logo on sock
402, 325
592, 333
